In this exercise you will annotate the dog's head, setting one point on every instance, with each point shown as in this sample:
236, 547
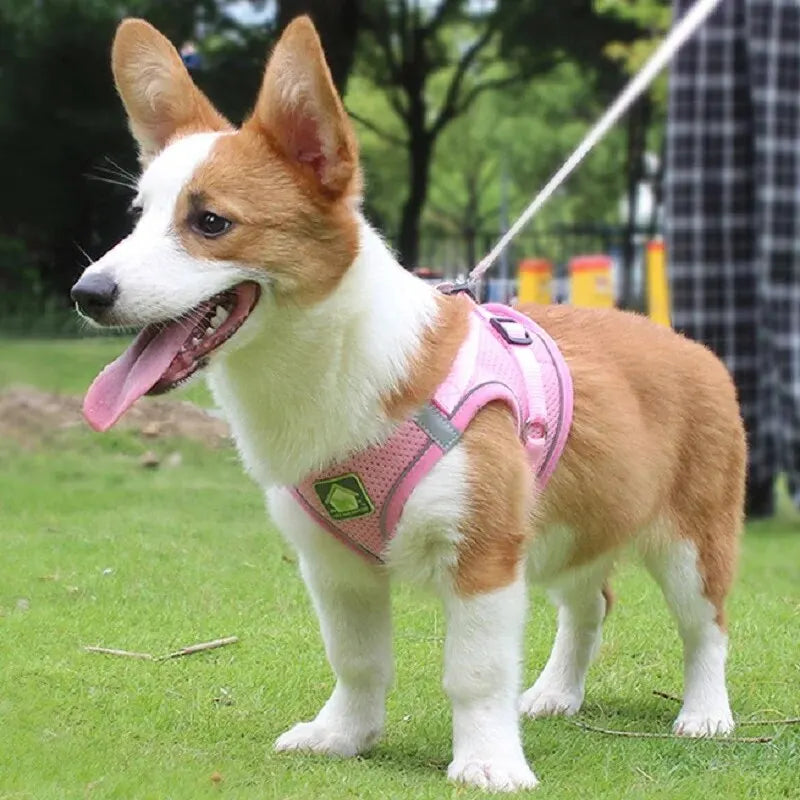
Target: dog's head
227, 218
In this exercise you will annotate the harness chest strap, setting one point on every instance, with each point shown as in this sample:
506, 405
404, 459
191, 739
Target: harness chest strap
505, 357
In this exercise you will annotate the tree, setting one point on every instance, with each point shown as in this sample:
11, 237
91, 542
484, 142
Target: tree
525, 134
409, 49
434, 60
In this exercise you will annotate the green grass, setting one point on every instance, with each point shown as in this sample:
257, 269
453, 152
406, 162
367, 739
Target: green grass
69, 365
97, 550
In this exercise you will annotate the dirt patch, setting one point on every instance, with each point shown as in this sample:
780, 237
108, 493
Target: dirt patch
30, 417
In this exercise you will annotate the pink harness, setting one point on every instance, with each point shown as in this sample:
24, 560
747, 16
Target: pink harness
506, 356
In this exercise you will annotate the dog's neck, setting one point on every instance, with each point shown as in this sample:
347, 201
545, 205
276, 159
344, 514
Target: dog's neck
309, 386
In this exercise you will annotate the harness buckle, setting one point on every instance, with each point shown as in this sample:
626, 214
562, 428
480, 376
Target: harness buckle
512, 331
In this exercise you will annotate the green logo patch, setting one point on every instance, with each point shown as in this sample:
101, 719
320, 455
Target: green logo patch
344, 497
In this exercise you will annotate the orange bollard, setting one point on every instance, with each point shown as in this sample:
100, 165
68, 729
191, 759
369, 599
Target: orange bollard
657, 284
535, 284
590, 281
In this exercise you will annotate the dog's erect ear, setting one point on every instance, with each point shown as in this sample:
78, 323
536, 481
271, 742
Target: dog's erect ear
159, 96
299, 109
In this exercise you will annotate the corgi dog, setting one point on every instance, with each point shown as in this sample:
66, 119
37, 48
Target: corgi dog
252, 262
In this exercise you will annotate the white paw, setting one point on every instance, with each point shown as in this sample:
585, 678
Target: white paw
704, 723
549, 703
317, 737
493, 775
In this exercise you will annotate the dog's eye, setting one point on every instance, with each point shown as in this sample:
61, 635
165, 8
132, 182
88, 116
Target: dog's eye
210, 224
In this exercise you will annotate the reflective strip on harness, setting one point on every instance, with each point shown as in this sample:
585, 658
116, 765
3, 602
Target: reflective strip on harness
505, 357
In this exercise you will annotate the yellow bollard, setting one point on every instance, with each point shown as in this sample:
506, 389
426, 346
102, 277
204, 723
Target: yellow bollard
657, 284
590, 281
535, 281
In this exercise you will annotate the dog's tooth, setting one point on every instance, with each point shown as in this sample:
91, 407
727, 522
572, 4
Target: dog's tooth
222, 314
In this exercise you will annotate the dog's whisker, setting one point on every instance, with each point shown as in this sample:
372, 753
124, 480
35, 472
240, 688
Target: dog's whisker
89, 259
112, 181
121, 170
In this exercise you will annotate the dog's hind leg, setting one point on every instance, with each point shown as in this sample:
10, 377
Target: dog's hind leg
695, 599
352, 602
582, 600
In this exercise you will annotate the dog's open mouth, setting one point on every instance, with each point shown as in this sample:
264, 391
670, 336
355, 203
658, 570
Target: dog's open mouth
164, 355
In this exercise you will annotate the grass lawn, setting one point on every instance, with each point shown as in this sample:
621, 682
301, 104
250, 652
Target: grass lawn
98, 550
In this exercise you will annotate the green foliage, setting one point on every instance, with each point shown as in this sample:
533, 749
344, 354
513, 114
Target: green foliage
528, 132
56, 125
447, 95
653, 18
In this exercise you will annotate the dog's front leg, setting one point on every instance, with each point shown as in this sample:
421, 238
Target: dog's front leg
356, 628
483, 651
352, 602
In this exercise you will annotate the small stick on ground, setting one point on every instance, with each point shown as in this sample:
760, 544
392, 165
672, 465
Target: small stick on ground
648, 735
110, 651
202, 647
667, 696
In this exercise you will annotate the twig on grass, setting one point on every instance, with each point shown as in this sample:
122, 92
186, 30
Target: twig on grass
667, 696
184, 651
199, 648
783, 721
648, 735
110, 651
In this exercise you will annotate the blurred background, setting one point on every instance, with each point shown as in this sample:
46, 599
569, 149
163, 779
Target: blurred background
463, 108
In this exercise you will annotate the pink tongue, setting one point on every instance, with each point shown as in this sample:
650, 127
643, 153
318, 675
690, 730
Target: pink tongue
133, 374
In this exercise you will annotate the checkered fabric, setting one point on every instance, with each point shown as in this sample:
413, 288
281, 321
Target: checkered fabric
733, 213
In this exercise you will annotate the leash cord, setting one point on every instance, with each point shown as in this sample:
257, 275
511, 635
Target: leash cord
682, 31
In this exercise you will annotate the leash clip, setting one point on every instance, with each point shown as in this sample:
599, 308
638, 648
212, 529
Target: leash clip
461, 287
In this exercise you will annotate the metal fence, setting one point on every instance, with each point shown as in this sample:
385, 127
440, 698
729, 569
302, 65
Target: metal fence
445, 257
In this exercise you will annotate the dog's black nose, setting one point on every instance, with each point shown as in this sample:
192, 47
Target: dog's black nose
94, 293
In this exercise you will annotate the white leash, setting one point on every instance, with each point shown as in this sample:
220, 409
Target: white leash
691, 21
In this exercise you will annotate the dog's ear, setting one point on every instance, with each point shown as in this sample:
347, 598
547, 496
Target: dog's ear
156, 89
299, 110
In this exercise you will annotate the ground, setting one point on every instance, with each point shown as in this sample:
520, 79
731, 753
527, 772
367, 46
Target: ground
99, 549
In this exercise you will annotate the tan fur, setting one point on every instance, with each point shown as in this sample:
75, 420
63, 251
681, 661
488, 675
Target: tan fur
657, 438
608, 596
300, 110
500, 488
430, 366
286, 180
159, 95
307, 241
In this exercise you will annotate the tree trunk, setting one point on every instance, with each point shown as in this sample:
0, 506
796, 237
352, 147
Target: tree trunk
469, 235
419, 162
337, 22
